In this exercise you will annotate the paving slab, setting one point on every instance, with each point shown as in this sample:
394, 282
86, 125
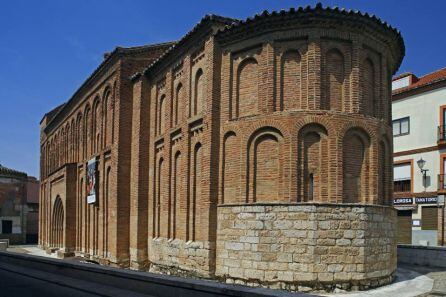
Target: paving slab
408, 283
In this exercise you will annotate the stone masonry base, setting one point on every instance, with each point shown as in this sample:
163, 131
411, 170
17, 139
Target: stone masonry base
178, 257
306, 246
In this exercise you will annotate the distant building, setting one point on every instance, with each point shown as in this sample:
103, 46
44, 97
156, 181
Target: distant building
19, 205
419, 135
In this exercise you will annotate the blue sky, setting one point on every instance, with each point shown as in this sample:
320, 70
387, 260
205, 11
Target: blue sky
48, 48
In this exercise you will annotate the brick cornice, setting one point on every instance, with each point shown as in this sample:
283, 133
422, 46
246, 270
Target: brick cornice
309, 17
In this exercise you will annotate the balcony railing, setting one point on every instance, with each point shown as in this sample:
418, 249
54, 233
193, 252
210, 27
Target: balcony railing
402, 186
441, 182
442, 133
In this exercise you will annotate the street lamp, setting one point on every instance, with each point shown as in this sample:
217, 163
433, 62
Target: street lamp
421, 164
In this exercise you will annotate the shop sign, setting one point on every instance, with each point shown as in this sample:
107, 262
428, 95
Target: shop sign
402, 201
425, 200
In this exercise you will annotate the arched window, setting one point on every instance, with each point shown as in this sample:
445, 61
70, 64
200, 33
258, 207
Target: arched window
196, 192
198, 104
247, 88
333, 81
384, 173
79, 138
355, 165
87, 133
73, 140
97, 127
108, 118
178, 105
105, 209
312, 175
264, 166
176, 201
160, 193
290, 81
368, 88
58, 223
231, 169
162, 115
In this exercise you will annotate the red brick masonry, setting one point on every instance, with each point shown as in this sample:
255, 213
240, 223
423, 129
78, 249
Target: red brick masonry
285, 107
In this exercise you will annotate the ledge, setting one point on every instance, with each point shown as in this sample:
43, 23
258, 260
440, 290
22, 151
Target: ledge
304, 204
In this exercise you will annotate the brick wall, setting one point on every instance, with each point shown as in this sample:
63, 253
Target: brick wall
289, 114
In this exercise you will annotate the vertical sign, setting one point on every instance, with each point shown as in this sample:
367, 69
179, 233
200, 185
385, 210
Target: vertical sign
91, 181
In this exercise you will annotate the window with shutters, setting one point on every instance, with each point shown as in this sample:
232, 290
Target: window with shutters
402, 177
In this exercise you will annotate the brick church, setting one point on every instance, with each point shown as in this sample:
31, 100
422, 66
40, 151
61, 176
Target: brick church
253, 151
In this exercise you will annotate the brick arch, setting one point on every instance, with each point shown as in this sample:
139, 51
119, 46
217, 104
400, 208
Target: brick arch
196, 190
178, 197
199, 98
57, 223
178, 105
356, 145
385, 164
68, 142
231, 168
107, 115
62, 146
316, 119
107, 89
250, 129
333, 79
79, 132
87, 127
97, 124
358, 124
368, 87
312, 165
161, 118
264, 169
290, 80
247, 88
73, 140
51, 155
56, 150
160, 193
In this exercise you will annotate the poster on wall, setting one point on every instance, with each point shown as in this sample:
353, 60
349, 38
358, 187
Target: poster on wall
91, 181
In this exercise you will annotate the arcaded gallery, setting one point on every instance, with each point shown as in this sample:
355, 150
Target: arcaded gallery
255, 151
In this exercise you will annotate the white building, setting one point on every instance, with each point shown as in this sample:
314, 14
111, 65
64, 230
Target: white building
419, 131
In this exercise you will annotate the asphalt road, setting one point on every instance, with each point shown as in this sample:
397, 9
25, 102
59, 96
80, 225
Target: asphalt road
17, 285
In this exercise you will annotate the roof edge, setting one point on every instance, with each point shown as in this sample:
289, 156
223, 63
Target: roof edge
107, 60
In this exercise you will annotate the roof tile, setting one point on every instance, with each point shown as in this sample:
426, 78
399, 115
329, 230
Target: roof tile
428, 79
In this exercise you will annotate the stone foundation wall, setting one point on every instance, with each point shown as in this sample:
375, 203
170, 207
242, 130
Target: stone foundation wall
306, 246
177, 257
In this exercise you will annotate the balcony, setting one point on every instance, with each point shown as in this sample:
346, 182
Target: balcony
441, 183
441, 140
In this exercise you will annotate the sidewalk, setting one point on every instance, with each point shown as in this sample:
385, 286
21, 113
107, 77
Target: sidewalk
439, 278
411, 281
30, 250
